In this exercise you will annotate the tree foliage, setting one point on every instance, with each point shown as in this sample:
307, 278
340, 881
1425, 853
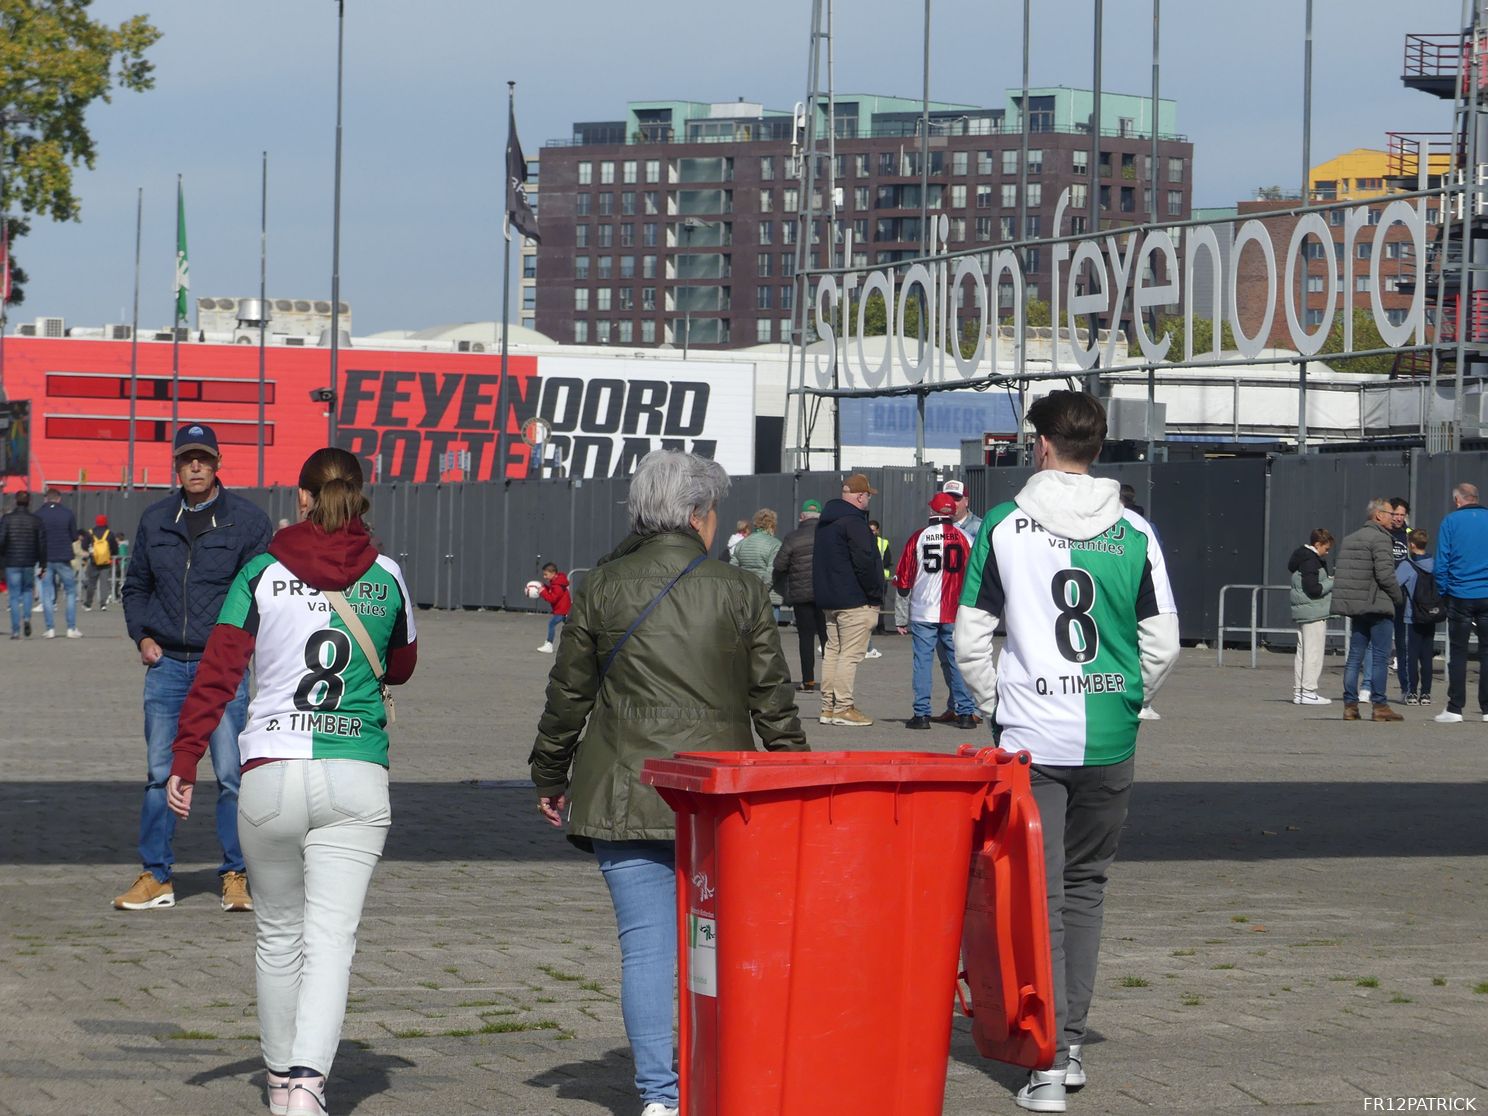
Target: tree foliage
1366, 336
55, 62
1203, 336
16, 228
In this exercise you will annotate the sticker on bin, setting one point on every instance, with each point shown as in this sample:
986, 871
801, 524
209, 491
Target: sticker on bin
702, 955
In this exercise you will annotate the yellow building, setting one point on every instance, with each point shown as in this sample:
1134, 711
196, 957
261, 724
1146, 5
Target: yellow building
1365, 172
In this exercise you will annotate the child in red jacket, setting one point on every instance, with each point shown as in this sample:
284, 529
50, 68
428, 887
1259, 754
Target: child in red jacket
555, 592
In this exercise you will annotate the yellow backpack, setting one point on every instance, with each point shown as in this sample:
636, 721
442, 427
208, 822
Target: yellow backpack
100, 550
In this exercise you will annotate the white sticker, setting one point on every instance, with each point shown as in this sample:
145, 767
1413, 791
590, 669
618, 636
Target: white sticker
702, 955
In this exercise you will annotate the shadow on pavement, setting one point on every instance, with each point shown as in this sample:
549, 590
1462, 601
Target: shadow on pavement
95, 822
358, 1074
607, 1081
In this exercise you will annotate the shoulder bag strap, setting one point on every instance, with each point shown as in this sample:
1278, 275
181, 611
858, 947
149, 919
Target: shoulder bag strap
337, 600
645, 612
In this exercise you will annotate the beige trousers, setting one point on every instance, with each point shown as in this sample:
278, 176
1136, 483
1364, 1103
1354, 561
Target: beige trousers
848, 633
1307, 668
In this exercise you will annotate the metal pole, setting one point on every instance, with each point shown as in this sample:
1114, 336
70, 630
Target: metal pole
499, 474
139, 220
1022, 229
804, 219
263, 311
4, 240
1152, 183
176, 331
1307, 197
1092, 378
336, 230
1470, 202
925, 239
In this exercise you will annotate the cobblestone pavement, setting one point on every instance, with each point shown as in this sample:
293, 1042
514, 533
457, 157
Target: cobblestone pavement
1296, 920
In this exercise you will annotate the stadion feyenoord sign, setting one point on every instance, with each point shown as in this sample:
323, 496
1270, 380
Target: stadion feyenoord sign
1100, 275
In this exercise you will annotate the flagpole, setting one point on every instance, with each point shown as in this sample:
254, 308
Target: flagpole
139, 221
501, 392
263, 308
336, 232
176, 319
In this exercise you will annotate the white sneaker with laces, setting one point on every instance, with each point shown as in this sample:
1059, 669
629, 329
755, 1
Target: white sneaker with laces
1447, 717
73, 633
546, 648
1074, 1074
1043, 1093
871, 653
1363, 696
49, 634
656, 1108
1147, 714
1314, 698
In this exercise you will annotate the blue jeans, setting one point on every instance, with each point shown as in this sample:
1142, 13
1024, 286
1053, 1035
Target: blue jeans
18, 588
166, 686
68, 575
643, 887
928, 640
1371, 635
553, 622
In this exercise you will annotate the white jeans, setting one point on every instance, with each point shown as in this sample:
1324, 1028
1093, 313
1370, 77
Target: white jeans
1308, 665
311, 831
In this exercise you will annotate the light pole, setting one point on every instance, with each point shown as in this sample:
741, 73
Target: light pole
688, 224
6, 118
336, 229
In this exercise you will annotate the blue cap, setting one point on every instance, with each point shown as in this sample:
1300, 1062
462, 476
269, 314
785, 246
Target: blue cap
195, 437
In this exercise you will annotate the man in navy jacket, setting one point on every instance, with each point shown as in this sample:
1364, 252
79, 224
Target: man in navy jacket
61, 529
847, 579
187, 550
1462, 577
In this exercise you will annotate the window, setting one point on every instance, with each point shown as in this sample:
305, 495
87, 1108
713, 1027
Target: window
628, 172
785, 296
788, 259
653, 170
627, 267
984, 195
1175, 170
1312, 250
1363, 249
1175, 203
762, 296
581, 333
1129, 165
648, 333
602, 332
606, 204
860, 197
1009, 195
984, 228
586, 174
839, 166
958, 197
1035, 195
529, 299
1010, 161
767, 167
625, 332
1128, 199
1082, 162
766, 200
648, 267
606, 236
1031, 227
762, 330
1105, 164
581, 205
767, 232
1395, 250
959, 161
1079, 195
1105, 197
957, 230
1035, 161
626, 298
860, 166
627, 236
581, 236
1147, 167
1361, 284
1314, 317
1007, 228
581, 298
1314, 284
648, 234
606, 173
1396, 317
1031, 263
762, 264
648, 298
602, 298
628, 204
529, 266
649, 203
788, 232
581, 267
886, 163
790, 200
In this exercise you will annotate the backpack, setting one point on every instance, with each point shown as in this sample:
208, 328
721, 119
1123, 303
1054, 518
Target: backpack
1427, 605
100, 549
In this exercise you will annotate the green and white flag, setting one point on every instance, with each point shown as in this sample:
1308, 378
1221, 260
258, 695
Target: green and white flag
183, 267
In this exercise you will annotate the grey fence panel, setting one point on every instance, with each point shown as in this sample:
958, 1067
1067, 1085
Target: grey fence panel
989, 486
1435, 477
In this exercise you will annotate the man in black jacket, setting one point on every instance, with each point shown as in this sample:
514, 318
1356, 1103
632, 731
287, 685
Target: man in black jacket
23, 544
848, 583
61, 529
793, 563
186, 552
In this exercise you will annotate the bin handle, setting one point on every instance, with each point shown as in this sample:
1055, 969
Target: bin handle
961, 997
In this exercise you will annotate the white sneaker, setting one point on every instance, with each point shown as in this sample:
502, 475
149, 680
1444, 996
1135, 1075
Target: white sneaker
36, 607
1043, 1093
1074, 1074
871, 653
1446, 717
1363, 696
656, 1108
546, 648
49, 634
1314, 698
73, 633
1147, 714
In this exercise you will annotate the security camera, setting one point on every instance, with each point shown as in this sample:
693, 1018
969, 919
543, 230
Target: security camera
322, 395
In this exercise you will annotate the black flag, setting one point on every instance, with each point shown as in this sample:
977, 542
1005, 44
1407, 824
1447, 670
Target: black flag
518, 208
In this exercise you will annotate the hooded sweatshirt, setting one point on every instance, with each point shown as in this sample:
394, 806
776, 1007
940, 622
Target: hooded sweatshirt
846, 569
317, 696
1092, 629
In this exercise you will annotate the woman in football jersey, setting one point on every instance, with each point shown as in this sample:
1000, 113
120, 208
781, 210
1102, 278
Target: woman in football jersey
319, 614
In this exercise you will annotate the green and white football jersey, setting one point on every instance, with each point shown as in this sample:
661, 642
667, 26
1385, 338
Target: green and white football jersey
316, 696
1069, 681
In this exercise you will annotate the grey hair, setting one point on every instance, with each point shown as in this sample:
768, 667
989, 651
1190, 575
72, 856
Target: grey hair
1375, 507
669, 487
1467, 493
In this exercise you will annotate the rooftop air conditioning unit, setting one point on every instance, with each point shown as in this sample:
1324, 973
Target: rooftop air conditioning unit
51, 327
294, 340
470, 346
27, 330
117, 332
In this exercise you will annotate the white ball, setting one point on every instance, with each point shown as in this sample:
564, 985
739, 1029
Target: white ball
534, 589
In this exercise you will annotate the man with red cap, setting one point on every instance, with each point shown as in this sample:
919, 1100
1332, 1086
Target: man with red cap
931, 570
101, 547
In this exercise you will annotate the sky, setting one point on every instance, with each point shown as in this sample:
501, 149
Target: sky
425, 120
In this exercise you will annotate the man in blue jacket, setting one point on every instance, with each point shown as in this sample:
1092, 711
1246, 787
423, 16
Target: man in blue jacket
61, 529
847, 579
1462, 578
186, 552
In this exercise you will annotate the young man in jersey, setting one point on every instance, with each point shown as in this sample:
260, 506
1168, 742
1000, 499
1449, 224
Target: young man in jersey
931, 571
1092, 631
186, 552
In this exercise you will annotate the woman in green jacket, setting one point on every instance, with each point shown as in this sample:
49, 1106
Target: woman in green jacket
703, 671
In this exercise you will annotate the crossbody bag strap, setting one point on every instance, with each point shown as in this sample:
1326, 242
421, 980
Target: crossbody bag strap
645, 612
358, 630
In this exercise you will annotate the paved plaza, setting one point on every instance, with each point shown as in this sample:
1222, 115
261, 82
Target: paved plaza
1298, 920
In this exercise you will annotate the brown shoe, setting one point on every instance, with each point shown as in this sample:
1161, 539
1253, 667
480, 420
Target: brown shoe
1351, 711
851, 717
146, 893
235, 895
1383, 712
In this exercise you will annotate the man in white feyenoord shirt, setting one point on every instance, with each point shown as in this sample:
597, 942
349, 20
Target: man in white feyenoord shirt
1092, 632
931, 570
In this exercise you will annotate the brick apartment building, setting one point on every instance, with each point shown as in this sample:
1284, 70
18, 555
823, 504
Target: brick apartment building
676, 225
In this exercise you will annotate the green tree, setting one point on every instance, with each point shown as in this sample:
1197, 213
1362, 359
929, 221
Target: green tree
1366, 336
1035, 313
16, 228
1203, 336
55, 61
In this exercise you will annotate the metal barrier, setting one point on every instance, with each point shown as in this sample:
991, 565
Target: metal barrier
1254, 628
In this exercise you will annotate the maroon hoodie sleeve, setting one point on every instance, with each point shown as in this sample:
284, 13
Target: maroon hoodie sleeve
217, 678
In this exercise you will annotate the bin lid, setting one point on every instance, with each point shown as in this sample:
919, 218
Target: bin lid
743, 772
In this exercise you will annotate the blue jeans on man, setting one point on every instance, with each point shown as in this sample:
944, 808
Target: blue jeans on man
166, 686
1372, 635
930, 640
55, 570
18, 589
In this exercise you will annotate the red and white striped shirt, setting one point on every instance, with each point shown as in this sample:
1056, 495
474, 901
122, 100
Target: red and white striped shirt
932, 569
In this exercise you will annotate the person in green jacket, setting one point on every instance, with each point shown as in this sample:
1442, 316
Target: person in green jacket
1311, 595
703, 671
756, 551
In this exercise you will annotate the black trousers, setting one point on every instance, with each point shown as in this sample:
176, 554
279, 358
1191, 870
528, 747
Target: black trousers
1464, 615
811, 632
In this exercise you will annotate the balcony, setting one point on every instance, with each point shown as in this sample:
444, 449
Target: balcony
1432, 63
1405, 150
698, 265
